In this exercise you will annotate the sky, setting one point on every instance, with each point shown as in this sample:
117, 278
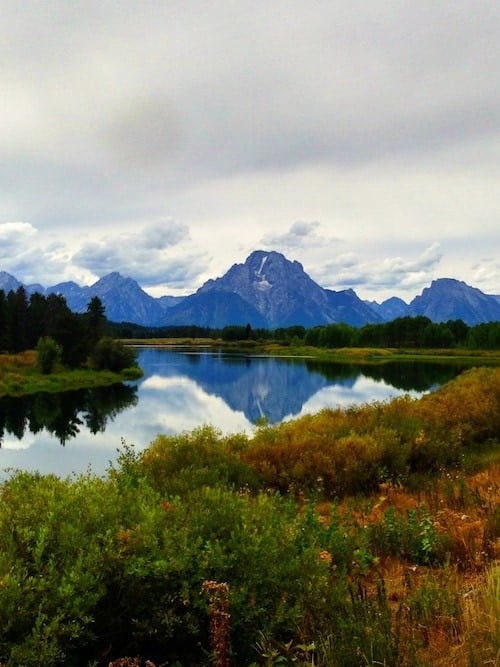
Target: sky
168, 139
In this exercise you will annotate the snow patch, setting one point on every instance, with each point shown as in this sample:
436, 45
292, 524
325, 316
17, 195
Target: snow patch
262, 283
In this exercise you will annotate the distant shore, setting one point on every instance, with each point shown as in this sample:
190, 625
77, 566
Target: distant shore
344, 354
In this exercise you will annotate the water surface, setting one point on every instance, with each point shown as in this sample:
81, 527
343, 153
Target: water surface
180, 390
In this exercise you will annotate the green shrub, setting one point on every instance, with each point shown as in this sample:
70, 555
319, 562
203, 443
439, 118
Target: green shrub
176, 465
411, 536
48, 354
112, 355
55, 545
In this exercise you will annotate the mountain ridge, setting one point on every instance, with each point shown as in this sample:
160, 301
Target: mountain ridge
269, 291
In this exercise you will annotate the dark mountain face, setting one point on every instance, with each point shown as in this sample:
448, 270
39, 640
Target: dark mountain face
449, 299
276, 288
214, 310
347, 307
76, 297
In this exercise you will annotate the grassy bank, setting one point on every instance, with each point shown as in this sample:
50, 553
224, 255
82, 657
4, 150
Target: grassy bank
346, 354
20, 375
366, 536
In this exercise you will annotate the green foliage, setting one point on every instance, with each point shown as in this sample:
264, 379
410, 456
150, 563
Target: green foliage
177, 465
109, 354
55, 539
117, 565
95, 320
48, 354
91, 562
23, 322
412, 537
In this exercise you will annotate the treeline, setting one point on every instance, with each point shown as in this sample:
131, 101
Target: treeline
47, 324
403, 332
407, 332
25, 320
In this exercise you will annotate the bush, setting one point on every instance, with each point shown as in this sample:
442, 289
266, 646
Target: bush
112, 355
56, 545
178, 465
48, 354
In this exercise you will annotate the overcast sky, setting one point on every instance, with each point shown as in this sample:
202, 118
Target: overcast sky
169, 139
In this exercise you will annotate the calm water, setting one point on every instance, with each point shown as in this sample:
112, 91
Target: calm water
70, 432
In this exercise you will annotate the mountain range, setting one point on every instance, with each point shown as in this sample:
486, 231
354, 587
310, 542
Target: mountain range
268, 291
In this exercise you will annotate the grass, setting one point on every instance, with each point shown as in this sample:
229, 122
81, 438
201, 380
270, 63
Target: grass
19, 375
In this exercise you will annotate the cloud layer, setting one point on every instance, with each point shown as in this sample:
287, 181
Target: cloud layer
167, 140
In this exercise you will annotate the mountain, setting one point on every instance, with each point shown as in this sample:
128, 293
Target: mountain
214, 310
123, 299
76, 297
8, 283
268, 291
279, 291
349, 308
450, 299
389, 309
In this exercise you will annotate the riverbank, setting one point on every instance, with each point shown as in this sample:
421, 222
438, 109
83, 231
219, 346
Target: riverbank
343, 355
19, 375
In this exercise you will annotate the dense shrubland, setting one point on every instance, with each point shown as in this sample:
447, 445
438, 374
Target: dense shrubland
364, 536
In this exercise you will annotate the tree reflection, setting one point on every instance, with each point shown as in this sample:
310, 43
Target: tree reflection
63, 414
407, 375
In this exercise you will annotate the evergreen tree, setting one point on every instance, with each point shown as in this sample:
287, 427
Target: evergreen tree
95, 318
17, 320
37, 324
3, 321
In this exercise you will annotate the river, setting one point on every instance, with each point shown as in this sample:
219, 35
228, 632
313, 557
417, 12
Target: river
75, 431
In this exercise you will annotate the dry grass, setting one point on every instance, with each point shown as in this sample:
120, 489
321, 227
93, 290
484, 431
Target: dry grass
451, 613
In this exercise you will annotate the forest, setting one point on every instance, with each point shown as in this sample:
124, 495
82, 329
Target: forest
24, 320
47, 325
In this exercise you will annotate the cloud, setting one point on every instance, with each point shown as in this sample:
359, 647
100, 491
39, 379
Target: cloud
397, 273
486, 275
146, 133
13, 236
299, 235
375, 126
159, 254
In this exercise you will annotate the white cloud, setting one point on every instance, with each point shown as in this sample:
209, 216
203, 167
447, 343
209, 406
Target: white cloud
375, 126
158, 254
299, 235
393, 273
14, 235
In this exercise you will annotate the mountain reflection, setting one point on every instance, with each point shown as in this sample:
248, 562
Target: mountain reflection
63, 414
276, 388
181, 389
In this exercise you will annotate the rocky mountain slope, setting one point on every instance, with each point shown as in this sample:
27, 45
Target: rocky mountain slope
269, 291
449, 299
